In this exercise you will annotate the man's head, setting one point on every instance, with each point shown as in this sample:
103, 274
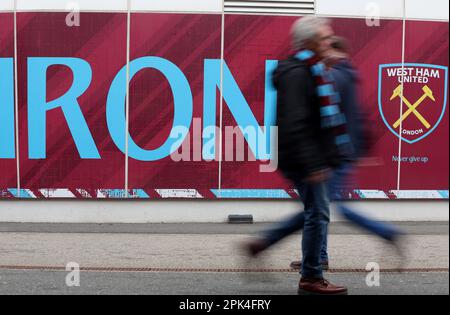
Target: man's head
339, 51
312, 33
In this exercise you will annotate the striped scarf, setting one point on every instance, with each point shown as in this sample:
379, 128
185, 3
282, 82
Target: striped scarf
331, 113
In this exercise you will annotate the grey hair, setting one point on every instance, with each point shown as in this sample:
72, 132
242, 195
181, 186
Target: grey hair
305, 29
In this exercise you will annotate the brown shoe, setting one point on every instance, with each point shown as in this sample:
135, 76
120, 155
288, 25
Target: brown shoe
320, 287
297, 265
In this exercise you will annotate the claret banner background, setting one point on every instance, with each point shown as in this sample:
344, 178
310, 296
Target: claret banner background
66, 137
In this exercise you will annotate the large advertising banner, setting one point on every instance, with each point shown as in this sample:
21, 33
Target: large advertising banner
65, 73
197, 127
261, 40
8, 165
253, 46
425, 142
168, 53
371, 46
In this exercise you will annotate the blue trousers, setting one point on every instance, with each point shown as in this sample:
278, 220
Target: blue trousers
313, 220
316, 199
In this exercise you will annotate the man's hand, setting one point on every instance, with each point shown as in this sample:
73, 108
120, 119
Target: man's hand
318, 176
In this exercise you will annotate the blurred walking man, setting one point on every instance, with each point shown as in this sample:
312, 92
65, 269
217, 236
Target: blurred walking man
312, 141
343, 181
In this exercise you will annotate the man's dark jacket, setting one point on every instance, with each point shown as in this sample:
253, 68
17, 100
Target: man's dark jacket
303, 146
346, 79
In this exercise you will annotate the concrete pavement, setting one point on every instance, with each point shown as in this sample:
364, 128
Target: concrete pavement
414, 228
209, 255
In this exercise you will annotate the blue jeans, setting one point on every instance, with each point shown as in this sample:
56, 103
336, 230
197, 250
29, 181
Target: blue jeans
314, 222
342, 182
316, 199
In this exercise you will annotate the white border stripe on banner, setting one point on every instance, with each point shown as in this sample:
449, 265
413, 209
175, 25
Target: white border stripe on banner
222, 61
16, 101
371, 194
222, 194
419, 194
127, 101
56, 193
84, 193
400, 130
251, 194
178, 193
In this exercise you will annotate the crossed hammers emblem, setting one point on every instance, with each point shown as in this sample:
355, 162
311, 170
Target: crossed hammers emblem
412, 108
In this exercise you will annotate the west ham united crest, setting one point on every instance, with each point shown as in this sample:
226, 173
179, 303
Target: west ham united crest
421, 90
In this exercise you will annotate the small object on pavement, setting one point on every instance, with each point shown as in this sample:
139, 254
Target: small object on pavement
240, 219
